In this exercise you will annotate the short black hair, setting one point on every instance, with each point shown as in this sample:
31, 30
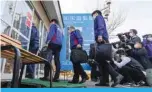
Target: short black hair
54, 20
134, 31
96, 11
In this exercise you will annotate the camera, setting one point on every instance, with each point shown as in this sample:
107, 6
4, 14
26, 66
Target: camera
123, 43
124, 36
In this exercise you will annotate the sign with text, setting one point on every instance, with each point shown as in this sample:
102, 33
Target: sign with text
83, 22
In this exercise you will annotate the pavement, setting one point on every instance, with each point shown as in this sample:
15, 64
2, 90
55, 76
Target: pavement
89, 84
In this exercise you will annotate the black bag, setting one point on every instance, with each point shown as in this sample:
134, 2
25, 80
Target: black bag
103, 52
46, 53
79, 56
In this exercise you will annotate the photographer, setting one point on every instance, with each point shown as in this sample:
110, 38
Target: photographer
129, 68
141, 55
133, 37
147, 42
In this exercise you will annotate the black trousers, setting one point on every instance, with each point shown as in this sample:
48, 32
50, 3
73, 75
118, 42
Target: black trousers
56, 52
78, 70
132, 74
105, 70
94, 73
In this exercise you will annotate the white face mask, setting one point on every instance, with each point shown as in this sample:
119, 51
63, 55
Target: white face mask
94, 17
131, 34
149, 39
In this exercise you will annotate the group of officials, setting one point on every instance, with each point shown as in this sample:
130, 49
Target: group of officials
54, 42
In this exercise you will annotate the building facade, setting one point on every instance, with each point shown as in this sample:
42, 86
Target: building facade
17, 17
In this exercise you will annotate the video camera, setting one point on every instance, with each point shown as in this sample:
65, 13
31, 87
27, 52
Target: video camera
123, 36
123, 43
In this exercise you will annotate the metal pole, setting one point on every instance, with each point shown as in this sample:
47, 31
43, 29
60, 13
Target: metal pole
13, 19
16, 68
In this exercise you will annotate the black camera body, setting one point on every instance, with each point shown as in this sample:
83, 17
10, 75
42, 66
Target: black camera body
123, 43
123, 36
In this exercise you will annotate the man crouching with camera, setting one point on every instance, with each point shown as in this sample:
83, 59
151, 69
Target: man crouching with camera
130, 68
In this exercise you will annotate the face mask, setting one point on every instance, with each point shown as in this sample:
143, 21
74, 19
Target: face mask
94, 17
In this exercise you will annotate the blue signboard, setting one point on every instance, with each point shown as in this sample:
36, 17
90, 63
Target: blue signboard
84, 23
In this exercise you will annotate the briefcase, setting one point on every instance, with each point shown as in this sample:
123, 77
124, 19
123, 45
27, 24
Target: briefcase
103, 52
79, 56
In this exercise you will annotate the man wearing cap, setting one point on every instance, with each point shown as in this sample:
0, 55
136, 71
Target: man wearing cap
100, 26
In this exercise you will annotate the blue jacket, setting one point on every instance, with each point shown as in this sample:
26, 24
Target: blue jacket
75, 39
34, 41
100, 27
55, 35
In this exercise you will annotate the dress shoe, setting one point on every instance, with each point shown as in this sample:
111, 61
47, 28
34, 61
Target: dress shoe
117, 80
56, 80
45, 79
84, 79
30, 76
100, 84
131, 84
73, 81
94, 79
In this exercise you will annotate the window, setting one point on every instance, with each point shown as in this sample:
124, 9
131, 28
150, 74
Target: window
22, 22
6, 15
43, 34
16, 19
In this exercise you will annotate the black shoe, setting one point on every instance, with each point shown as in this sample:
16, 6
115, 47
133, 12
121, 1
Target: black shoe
117, 80
100, 84
30, 76
45, 79
94, 79
84, 79
56, 80
73, 81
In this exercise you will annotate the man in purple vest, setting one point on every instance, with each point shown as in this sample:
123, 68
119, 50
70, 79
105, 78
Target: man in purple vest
100, 26
76, 42
54, 41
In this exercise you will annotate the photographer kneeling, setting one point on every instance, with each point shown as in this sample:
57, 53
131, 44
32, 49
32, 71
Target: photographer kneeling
140, 54
131, 69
